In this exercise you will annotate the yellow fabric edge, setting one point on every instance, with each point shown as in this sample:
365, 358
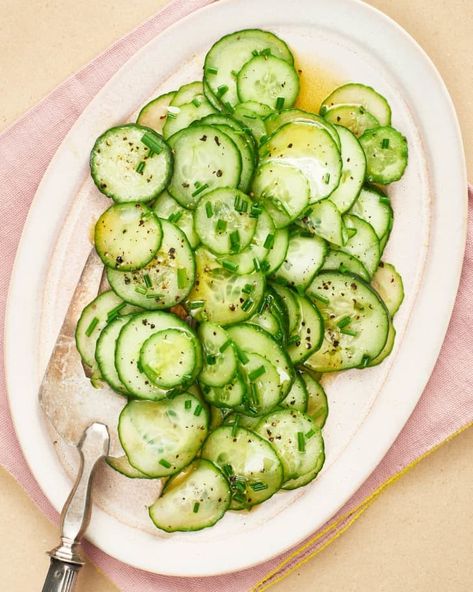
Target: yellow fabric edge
267, 581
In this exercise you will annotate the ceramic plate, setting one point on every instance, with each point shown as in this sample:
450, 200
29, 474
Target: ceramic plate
334, 41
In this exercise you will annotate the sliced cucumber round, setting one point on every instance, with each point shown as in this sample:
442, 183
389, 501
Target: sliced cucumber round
343, 262
165, 281
324, 219
122, 465
127, 236
162, 437
250, 464
297, 397
374, 207
317, 404
362, 95
168, 208
278, 119
354, 118
305, 256
105, 353
219, 360
268, 80
154, 113
386, 154
355, 318
296, 439
388, 347
224, 222
229, 396
194, 499
388, 283
309, 335
308, 477
187, 93
362, 242
277, 252
218, 163
292, 308
131, 163
251, 116
186, 113
263, 385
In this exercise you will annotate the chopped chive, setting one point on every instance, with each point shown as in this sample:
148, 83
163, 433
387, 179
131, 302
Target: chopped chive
384, 199
209, 209
242, 356
140, 168
255, 52
197, 183
257, 264
269, 241
258, 486
240, 204
225, 345
221, 90
229, 107
228, 470
240, 484
198, 410
266, 51
171, 115
141, 290
229, 265
175, 217
344, 322
210, 359
351, 232
151, 142
347, 331
257, 372
90, 329
194, 304
365, 360
264, 266
235, 241
147, 280
326, 178
342, 268
153, 295
112, 314
385, 143
188, 404
263, 139
235, 426
321, 298
247, 304
300, 442
211, 70
362, 109
199, 189
221, 225
309, 434
293, 339
248, 288
196, 102
181, 278
164, 463
239, 497
196, 507
280, 103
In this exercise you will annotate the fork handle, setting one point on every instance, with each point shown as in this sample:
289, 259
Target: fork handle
61, 576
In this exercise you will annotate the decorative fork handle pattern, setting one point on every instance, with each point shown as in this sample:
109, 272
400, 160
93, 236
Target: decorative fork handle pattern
61, 576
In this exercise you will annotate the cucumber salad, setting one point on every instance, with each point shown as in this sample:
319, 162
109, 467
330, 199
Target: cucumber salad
243, 254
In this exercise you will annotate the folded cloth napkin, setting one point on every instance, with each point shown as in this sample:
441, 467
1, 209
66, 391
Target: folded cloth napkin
445, 409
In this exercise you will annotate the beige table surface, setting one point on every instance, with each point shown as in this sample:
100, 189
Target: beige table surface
419, 535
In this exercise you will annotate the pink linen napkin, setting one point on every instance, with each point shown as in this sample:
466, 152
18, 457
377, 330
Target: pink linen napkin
444, 409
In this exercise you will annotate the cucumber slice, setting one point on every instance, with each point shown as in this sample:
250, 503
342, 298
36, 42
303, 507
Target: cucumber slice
227, 56
167, 207
247, 154
249, 462
251, 116
317, 404
312, 150
387, 349
243, 421
362, 95
94, 319
292, 307
216, 119
296, 439
220, 295
278, 119
122, 466
353, 171
217, 416
297, 397
194, 499
127, 236
305, 256
165, 281
356, 322
343, 262
324, 220
229, 396
374, 207
268, 80
181, 117
129, 344
224, 221
253, 340
386, 154
220, 361
169, 358
105, 353
277, 253
204, 158
308, 477
187, 93
154, 113
283, 190
270, 317
363, 242
263, 385
121, 165
354, 118
388, 283
161, 437
211, 98
310, 333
